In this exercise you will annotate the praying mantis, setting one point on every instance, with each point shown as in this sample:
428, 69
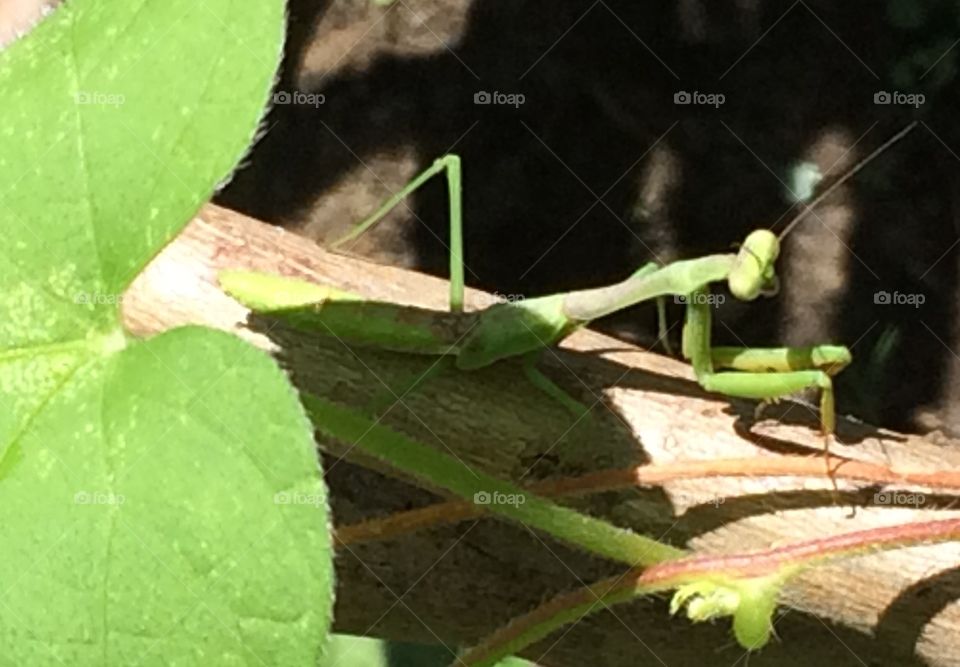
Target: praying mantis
477, 339
523, 328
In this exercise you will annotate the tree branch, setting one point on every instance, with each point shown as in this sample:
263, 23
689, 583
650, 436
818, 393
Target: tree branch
457, 583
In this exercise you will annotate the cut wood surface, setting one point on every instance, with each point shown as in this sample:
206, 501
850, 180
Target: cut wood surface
453, 584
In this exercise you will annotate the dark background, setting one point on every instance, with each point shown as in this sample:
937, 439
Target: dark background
599, 171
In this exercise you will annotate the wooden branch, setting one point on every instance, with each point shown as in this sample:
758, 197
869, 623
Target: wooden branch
454, 584
17, 17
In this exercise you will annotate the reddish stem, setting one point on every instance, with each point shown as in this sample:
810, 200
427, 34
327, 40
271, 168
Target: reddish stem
639, 581
652, 475
810, 552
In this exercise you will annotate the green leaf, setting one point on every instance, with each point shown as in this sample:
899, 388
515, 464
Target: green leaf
119, 119
161, 501
753, 619
515, 662
344, 650
751, 602
159, 522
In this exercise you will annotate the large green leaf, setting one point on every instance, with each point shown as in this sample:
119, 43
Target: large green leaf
160, 501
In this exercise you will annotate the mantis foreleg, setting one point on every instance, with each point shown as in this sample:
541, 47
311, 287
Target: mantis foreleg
760, 373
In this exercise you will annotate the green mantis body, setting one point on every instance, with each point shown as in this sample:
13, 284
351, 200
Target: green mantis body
522, 328
519, 328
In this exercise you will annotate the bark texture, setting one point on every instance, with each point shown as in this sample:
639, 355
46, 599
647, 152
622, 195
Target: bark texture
454, 584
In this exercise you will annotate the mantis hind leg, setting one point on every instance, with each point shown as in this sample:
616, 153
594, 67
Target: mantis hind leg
551, 389
450, 164
662, 330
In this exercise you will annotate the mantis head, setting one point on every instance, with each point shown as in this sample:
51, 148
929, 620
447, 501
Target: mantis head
752, 273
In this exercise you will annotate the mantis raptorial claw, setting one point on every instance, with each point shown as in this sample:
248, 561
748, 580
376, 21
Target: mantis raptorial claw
762, 406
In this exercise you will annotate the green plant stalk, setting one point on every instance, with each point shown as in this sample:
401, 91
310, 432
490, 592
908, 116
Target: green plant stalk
755, 579
755, 604
443, 471
562, 610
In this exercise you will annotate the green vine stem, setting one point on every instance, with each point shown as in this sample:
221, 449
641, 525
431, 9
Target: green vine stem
499, 497
743, 585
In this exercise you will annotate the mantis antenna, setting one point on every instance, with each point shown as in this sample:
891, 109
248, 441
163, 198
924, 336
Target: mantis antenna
846, 177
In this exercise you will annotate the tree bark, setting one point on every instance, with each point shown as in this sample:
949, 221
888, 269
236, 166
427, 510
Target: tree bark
454, 584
